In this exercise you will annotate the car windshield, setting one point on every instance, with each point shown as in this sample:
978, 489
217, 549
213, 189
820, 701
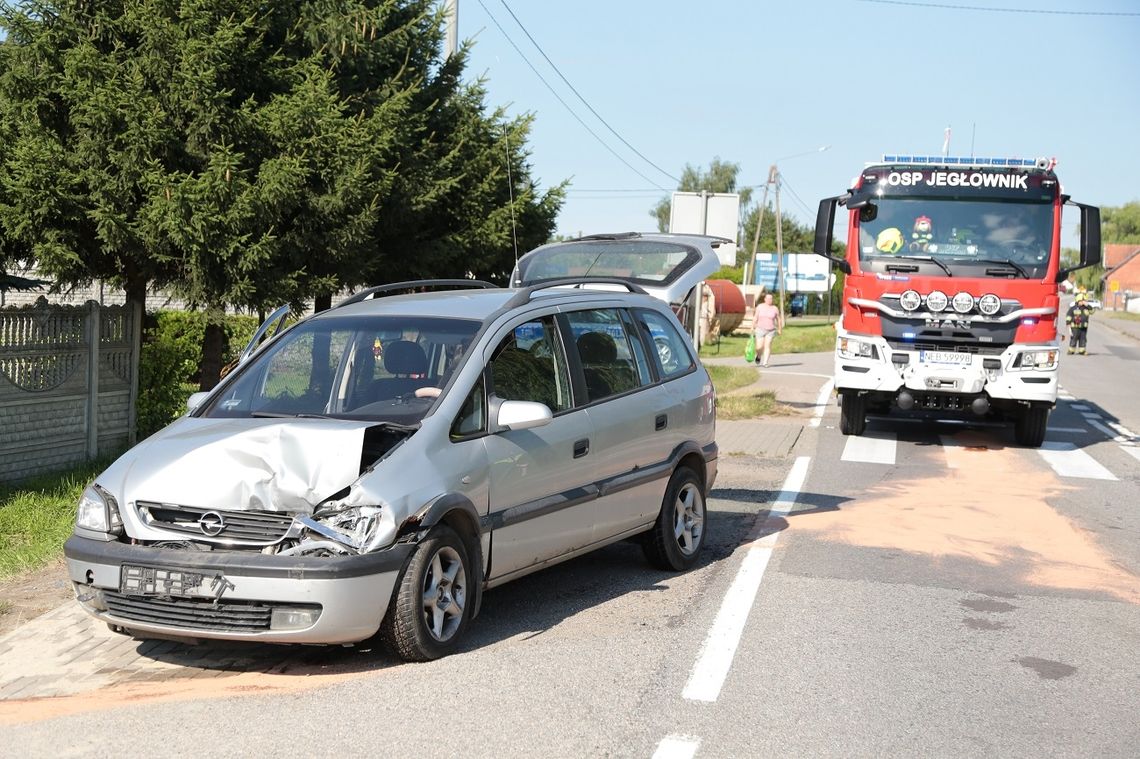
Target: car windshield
382, 368
960, 232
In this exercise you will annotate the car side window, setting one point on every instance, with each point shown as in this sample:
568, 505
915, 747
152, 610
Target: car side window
641, 360
530, 365
472, 417
672, 349
604, 349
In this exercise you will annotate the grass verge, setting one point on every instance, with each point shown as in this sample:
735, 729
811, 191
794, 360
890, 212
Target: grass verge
798, 337
728, 378
750, 406
37, 516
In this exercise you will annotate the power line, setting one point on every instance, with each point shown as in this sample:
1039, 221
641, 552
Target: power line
1036, 11
575, 91
563, 102
795, 196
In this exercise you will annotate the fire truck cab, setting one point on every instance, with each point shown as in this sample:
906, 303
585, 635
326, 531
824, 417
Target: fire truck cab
950, 302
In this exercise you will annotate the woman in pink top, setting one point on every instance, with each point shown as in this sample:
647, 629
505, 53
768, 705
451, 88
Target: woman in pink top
767, 323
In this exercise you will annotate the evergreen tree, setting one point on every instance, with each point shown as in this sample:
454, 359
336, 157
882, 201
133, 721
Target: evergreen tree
248, 154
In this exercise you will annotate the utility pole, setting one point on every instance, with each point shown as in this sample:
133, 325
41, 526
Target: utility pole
774, 178
451, 40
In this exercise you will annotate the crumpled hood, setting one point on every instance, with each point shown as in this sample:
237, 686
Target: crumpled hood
242, 464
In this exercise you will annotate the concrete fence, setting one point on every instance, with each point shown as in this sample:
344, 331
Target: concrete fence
68, 383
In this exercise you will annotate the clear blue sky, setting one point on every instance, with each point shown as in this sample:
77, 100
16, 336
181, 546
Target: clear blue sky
752, 82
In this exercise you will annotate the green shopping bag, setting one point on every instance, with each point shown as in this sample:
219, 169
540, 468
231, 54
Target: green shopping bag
750, 349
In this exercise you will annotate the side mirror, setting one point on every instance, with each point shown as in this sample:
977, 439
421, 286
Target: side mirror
824, 222
1090, 240
195, 400
522, 415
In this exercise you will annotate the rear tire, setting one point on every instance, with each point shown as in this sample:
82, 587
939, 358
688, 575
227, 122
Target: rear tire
852, 413
1029, 426
675, 542
433, 601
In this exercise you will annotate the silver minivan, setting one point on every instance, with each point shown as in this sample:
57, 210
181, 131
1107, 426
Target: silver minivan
377, 466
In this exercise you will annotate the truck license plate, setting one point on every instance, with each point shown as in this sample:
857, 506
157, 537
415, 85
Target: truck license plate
155, 581
945, 357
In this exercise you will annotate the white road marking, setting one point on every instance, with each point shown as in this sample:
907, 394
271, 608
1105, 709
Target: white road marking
1133, 452
1080, 407
871, 448
821, 402
719, 648
1068, 461
1090, 416
677, 747
1110, 434
1121, 429
1078, 430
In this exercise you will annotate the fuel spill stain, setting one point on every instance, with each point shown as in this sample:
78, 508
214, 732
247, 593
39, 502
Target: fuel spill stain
989, 506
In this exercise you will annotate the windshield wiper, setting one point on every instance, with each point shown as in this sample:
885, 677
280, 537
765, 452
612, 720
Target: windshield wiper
282, 415
1001, 262
932, 259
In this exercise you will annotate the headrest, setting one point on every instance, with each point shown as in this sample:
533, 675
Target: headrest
405, 357
597, 348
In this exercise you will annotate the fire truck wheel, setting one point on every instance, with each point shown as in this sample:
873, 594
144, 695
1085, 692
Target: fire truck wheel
1029, 427
853, 414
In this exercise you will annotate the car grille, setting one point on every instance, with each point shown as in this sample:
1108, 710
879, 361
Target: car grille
246, 526
189, 613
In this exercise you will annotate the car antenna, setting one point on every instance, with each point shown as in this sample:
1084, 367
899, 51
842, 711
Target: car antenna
511, 191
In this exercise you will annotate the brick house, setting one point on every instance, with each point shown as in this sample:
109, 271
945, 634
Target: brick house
1121, 280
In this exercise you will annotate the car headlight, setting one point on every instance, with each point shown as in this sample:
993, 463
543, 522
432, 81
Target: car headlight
98, 512
1043, 359
363, 528
852, 348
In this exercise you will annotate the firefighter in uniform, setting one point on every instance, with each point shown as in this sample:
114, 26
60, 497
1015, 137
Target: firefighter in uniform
1078, 320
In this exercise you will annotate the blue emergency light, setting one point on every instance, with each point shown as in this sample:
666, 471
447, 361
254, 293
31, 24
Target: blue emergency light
937, 160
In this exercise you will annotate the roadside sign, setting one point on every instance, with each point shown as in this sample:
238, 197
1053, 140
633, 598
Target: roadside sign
1114, 285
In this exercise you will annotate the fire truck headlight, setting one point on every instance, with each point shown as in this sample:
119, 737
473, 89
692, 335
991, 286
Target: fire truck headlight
852, 348
1031, 360
910, 300
937, 300
963, 302
989, 304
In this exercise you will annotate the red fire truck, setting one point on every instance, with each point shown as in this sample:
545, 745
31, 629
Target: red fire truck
951, 300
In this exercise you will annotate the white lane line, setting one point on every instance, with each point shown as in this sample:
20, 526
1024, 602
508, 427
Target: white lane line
1068, 461
1110, 434
1121, 429
871, 448
1078, 430
677, 747
821, 403
1079, 407
719, 648
1133, 452
1089, 415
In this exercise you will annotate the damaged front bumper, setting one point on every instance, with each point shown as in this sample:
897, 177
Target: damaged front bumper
235, 595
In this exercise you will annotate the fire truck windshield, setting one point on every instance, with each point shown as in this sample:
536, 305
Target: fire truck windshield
958, 232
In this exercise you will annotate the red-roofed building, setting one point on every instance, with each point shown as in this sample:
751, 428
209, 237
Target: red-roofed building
1122, 276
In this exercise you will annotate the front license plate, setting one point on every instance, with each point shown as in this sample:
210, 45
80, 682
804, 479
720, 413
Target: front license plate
945, 357
155, 581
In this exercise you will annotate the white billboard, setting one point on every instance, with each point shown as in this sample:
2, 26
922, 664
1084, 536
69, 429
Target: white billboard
713, 213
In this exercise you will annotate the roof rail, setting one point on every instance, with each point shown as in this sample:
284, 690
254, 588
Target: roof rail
414, 284
522, 297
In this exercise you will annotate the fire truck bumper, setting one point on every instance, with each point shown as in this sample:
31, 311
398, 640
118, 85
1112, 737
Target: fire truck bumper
1020, 373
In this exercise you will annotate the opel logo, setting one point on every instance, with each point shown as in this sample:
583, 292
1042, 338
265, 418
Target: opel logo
211, 523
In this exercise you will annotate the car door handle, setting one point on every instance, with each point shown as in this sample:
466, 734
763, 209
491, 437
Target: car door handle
661, 422
581, 448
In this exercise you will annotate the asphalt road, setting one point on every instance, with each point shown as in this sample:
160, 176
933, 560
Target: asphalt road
928, 589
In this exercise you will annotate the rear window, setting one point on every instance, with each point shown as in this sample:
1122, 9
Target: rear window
644, 262
672, 349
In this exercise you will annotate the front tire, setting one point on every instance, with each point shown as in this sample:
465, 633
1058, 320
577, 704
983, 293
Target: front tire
853, 413
432, 604
1029, 426
675, 542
